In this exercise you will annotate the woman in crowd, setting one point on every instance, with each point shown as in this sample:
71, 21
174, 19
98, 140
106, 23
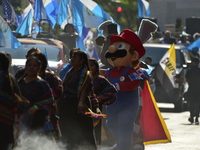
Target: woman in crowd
104, 92
77, 128
10, 103
38, 92
55, 84
69, 36
21, 72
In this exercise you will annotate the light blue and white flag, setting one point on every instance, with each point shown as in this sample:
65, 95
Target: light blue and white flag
51, 8
195, 46
26, 11
7, 39
89, 11
143, 9
46, 9
26, 26
39, 11
93, 14
64, 13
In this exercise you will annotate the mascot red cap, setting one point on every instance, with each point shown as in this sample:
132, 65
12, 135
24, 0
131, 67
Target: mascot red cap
131, 38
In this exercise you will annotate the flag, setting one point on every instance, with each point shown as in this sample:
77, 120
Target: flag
93, 14
51, 8
64, 13
7, 39
8, 12
194, 46
26, 26
82, 14
46, 9
166, 69
26, 11
89, 11
89, 45
152, 124
32, 2
143, 9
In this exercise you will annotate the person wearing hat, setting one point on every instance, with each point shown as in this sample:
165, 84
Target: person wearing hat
123, 54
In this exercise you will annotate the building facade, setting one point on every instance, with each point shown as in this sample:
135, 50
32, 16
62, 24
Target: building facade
167, 11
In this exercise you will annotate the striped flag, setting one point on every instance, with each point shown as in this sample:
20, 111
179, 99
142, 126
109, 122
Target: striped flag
143, 9
26, 26
166, 69
46, 9
7, 39
93, 14
8, 12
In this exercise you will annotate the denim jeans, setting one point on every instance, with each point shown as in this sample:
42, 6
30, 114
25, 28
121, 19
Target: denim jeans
121, 116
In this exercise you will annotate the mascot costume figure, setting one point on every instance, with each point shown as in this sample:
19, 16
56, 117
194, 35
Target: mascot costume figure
123, 54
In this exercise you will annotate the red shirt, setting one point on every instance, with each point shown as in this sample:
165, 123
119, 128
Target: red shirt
127, 84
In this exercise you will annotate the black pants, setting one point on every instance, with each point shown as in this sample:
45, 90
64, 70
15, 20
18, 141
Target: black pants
38, 120
77, 129
194, 109
6, 137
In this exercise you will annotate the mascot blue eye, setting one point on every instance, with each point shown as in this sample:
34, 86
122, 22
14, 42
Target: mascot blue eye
121, 46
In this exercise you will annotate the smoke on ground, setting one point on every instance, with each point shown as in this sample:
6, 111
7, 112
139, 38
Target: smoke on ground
38, 141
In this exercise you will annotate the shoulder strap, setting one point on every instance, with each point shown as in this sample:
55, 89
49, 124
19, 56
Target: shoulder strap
86, 77
108, 72
126, 71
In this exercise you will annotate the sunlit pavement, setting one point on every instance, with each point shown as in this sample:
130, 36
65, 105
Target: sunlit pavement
184, 135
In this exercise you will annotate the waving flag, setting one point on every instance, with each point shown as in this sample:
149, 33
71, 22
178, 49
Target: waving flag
51, 7
93, 14
88, 11
195, 46
88, 43
8, 12
26, 26
46, 9
64, 13
82, 14
7, 39
143, 9
26, 11
32, 2
166, 70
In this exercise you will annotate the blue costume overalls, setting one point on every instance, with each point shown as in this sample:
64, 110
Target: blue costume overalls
122, 113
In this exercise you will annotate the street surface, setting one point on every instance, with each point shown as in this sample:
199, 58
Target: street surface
184, 135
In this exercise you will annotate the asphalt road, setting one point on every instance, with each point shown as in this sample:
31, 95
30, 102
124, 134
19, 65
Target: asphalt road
184, 135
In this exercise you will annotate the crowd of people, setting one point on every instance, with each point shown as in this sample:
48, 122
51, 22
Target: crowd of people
37, 98
71, 105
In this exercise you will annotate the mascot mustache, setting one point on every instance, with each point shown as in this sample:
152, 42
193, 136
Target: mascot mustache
118, 54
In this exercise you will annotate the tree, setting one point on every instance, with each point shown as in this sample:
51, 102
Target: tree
128, 17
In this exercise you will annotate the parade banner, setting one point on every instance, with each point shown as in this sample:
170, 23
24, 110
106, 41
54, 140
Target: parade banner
152, 124
166, 69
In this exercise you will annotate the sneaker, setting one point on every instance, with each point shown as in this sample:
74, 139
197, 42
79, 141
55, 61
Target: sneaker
196, 121
138, 147
114, 147
191, 120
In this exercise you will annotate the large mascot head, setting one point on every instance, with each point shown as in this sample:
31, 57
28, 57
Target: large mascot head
125, 50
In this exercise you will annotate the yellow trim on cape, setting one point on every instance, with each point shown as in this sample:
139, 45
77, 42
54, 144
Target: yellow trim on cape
161, 120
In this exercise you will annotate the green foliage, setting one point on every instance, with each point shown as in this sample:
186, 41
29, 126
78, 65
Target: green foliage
127, 18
